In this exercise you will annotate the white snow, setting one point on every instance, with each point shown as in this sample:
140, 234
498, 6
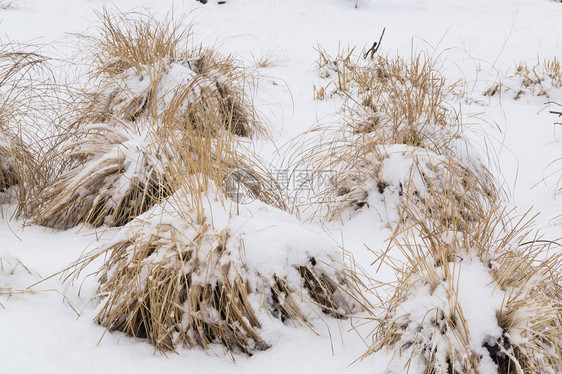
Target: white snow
478, 41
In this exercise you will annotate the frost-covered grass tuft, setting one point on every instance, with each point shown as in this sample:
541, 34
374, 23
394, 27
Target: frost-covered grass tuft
145, 68
18, 91
156, 109
114, 172
537, 80
401, 140
484, 299
406, 101
180, 277
116, 175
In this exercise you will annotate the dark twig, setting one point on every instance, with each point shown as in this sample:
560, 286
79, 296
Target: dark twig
375, 47
559, 113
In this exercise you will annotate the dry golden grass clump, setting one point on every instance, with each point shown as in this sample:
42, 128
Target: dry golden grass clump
119, 172
17, 91
181, 276
401, 140
175, 283
537, 80
116, 175
146, 68
485, 299
540, 78
392, 179
402, 151
159, 107
10, 145
405, 101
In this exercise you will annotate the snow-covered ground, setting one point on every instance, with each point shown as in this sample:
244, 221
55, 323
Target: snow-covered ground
478, 41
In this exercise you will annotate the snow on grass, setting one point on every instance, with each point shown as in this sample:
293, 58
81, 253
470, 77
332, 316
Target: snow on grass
538, 79
478, 40
180, 278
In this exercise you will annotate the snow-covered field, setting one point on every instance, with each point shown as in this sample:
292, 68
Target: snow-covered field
51, 329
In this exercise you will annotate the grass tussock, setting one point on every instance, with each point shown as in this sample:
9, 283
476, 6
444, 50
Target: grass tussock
148, 68
159, 109
540, 78
178, 287
536, 80
116, 174
17, 94
181, 277
404, 100
119, 172
481, 298
401, 141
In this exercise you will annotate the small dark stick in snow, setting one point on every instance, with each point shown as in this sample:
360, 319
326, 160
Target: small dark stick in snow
375, 47
555, 112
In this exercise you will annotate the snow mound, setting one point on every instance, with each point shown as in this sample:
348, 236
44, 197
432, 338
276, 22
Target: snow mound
475, 302
183, 276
